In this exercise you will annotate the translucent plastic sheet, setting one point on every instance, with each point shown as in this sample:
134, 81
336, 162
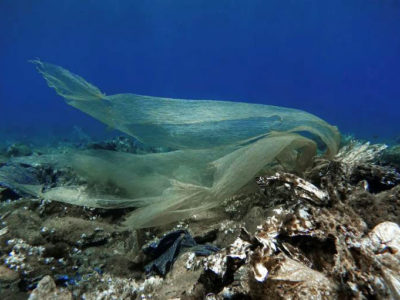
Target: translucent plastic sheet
220, 147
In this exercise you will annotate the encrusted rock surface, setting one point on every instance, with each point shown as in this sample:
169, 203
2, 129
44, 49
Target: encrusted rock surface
329, 233
392, 156
47, 290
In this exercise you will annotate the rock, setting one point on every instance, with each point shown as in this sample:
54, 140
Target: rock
253, 218
356, 152
8, 194
280, 277
298, 187
239, 288
3, 231
120, 144
182, 280
378, 178
18, 149
237, 206
392, 156
354, 163
376, 208
305, 246
57, 250
76, 232
381, 248
113, 287
125, 144
30, 231
220, 268
120, 265
206, 236
7, 275
385, 237
47, 290
332, 232
3, 158
228, 231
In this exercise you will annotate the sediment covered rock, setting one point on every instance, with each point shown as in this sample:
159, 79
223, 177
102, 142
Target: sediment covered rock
328, 233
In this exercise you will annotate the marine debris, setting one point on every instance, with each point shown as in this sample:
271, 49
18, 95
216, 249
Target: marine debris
165, 251
219, 147
258, 217
329, 232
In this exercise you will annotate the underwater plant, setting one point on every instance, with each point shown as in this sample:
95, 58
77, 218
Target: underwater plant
220, 146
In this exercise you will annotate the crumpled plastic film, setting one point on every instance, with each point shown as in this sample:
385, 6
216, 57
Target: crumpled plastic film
220, 147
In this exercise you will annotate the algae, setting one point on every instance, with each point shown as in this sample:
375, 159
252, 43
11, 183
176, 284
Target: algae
220, 146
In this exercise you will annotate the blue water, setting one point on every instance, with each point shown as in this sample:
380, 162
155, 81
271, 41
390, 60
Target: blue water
337, 59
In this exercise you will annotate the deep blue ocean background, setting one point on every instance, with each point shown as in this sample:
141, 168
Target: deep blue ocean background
337, 59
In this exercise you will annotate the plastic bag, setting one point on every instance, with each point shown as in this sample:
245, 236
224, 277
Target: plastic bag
220, 147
